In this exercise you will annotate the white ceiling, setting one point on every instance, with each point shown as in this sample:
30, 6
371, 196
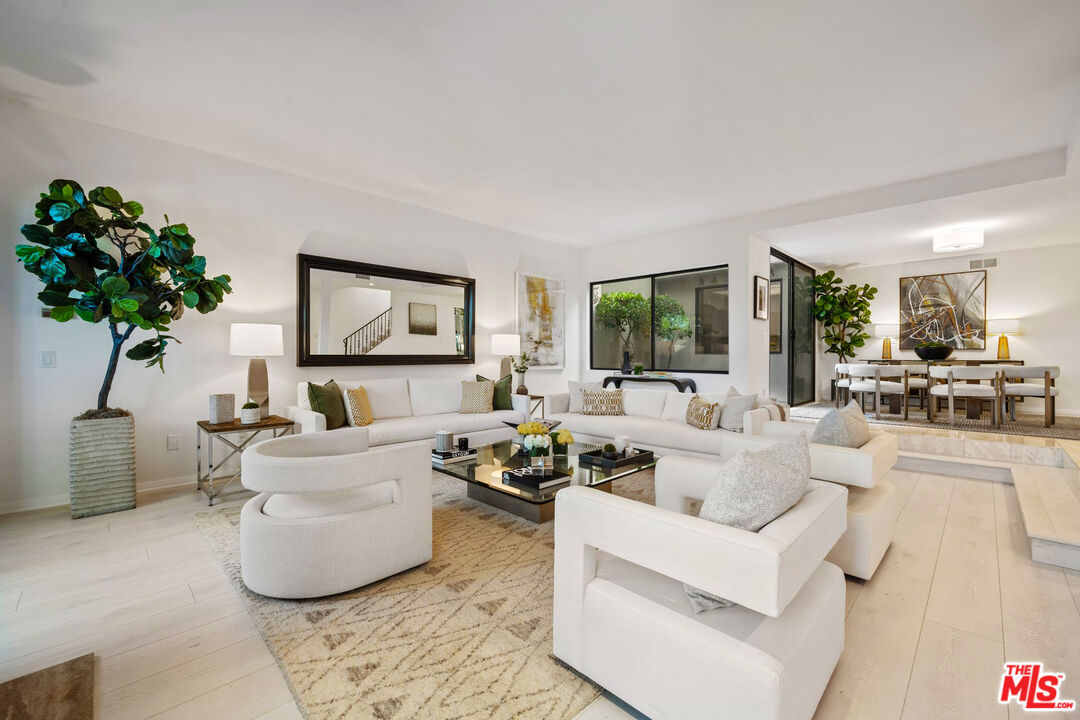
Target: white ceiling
576, 121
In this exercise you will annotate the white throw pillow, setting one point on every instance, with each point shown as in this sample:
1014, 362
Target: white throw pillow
644, 403
434, 396
846, 427
675, 405
388, 397
749, 492
576, 403
734, 410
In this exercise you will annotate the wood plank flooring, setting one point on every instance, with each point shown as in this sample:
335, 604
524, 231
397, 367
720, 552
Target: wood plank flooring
956, 595
142, 590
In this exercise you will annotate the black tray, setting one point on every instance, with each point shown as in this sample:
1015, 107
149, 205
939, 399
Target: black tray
596, 457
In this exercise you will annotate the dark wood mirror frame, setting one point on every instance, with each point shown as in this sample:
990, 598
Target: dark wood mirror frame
305, 358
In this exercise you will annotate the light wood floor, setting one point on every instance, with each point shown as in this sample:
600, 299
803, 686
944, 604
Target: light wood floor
956, 595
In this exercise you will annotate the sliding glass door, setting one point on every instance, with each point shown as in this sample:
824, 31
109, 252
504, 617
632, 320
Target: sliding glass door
791, 330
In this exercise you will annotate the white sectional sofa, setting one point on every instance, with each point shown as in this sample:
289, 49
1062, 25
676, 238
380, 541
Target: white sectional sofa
872, 500
407, 410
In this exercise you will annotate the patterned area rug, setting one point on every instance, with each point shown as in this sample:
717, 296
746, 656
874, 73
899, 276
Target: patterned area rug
468, 635
1066, 427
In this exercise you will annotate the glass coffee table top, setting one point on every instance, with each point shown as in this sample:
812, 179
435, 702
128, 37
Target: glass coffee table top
491, 460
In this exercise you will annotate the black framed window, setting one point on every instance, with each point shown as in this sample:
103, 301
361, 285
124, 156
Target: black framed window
674, 321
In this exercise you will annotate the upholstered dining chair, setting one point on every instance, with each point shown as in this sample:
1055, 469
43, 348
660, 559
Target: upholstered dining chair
957, 384
1031, 381
879, 380
843, 382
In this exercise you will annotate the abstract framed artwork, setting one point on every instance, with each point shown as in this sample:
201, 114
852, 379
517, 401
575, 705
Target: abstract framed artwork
947, 308
541, 319
422, 319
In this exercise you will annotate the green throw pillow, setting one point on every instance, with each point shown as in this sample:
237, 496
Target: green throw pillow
326, 399
501, 399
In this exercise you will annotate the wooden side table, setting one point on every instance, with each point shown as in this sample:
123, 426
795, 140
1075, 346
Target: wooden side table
275, 424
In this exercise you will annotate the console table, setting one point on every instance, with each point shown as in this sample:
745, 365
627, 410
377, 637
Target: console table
275, 424
680, 382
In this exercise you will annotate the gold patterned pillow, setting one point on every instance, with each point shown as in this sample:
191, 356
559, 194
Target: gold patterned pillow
476, 396
601, 402
359, 407
701, 414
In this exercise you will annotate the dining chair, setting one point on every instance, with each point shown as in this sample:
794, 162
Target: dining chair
1015, 385
957, 384
879, 380
842, 384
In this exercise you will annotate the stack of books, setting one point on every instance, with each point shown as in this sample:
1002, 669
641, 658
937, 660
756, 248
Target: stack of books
445, 457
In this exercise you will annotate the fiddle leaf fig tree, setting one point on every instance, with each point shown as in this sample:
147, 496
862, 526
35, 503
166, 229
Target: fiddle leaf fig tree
844, 310
624, 312
101, 263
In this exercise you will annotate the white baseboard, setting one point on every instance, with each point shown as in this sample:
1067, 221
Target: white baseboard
47, 502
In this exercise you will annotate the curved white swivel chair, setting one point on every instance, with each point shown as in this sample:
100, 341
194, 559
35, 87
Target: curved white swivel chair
622, 619
1017, 384
332, 515
879, 380
957, 385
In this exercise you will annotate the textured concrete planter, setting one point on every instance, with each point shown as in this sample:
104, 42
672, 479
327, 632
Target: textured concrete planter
102, 466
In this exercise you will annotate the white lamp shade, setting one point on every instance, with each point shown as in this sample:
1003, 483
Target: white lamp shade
957, 239
1003, 326
504, 344
255, 340
886, 331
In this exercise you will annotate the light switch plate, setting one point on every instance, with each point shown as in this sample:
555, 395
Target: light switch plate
48, 358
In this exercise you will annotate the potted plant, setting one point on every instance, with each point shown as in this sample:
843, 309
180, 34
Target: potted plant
536, 441
627, 313
610, 452
639, 369
560, 442
933, 351
843, 311
521, 365
101, 263
249, 413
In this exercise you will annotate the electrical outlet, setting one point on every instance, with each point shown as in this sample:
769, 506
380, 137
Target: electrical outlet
172, 442
48, 359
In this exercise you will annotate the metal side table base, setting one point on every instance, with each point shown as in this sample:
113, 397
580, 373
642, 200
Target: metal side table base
211, 485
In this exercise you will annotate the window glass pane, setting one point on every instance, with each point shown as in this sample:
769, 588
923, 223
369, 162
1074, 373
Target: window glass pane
779, 324
691, 321
620, 322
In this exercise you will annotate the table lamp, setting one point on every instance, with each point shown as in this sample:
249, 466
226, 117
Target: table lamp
1003, 327
257, 341
506, 345
886, 333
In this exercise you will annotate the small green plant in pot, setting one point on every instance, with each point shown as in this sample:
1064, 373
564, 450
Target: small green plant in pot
100, 263
249, 413
610, 452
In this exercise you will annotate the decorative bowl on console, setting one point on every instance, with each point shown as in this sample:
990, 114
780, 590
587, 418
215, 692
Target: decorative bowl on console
933, 351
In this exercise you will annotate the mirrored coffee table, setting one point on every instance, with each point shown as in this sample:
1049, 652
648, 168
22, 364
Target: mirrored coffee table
484, 478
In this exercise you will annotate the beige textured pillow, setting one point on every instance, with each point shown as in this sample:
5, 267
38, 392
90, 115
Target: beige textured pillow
359, 407
601, 402
476, 396
701, 414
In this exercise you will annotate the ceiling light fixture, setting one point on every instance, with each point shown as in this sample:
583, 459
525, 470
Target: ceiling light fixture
957, 239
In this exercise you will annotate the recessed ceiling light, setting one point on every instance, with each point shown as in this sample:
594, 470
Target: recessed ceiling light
957, 239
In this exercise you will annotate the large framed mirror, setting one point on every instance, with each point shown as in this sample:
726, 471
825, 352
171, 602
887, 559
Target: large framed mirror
353, 313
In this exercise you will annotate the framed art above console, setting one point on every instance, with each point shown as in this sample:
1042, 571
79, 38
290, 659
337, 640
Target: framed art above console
354, 313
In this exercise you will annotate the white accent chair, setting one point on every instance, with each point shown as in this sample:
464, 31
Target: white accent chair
1016, 385
957, 385
621, 616
873, 502
843, 382
879, 380
332, 515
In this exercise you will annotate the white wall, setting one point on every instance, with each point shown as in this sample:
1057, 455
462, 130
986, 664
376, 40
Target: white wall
1039, 286
249, 222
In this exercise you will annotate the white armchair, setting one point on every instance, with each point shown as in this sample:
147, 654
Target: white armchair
332, 515
621, 616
